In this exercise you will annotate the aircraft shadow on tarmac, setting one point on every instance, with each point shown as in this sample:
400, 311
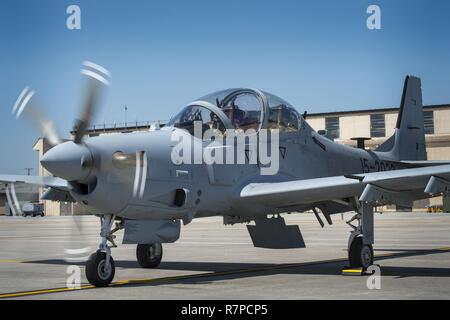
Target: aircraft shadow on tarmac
217, 271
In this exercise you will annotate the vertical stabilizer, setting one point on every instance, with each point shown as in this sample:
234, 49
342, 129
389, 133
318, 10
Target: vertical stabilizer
408, 141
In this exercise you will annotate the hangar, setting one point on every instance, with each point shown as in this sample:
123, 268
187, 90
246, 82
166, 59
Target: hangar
372, 126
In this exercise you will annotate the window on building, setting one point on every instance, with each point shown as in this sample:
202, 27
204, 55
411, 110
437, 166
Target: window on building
428, 122
332, 127
377, 125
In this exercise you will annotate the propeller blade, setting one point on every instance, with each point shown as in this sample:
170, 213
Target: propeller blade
77, 246
98, 79
25, 106
13, 201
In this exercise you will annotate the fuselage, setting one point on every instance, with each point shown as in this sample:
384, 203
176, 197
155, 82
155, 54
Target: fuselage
136, 176
208, 189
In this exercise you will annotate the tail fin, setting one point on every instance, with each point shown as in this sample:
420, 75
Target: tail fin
408, 141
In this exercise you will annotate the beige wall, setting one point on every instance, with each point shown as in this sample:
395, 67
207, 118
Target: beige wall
317, 123
438, 153
354, 126
442, 121
51, 208
358, 125
391, 122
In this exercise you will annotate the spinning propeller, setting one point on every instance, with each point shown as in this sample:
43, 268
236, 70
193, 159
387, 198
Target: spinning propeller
72, 160
63, 159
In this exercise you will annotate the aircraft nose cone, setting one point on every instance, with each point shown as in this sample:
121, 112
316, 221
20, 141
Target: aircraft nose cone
69, 161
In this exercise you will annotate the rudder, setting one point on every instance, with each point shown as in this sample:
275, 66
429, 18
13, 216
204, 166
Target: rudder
408, 141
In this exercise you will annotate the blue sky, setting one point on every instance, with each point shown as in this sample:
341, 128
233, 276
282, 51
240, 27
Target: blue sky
318, 55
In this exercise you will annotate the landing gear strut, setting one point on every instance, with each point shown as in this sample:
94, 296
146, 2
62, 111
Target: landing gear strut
360, 249
100, 267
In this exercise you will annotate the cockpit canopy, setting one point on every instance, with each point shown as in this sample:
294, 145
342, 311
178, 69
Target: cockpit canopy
244, 110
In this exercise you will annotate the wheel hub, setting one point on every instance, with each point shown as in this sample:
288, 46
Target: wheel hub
153, 252
103, 272
366, 256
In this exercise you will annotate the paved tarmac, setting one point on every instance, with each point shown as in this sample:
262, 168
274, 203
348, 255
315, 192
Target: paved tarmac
213, 261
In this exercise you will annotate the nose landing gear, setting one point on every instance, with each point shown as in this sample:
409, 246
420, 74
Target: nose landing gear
100, 267
100, 270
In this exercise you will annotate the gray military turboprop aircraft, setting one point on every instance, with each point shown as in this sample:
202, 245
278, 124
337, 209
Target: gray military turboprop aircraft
132, 180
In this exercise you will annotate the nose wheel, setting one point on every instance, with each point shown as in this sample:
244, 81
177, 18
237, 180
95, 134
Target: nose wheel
100, 267
149, 255
99, 271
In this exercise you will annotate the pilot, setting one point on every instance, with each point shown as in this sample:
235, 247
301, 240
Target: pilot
235, 114
216, 123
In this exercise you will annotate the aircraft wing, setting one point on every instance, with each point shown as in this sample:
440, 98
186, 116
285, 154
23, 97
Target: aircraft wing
53, 182
399, 187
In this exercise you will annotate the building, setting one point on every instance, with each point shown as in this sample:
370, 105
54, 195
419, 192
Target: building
376, 124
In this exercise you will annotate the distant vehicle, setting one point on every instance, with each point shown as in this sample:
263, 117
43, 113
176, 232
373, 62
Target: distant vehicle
33, 209
435, 209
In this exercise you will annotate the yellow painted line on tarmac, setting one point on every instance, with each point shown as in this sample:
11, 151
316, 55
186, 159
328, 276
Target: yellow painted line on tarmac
36, 292
163, 279
352, 271
125, 282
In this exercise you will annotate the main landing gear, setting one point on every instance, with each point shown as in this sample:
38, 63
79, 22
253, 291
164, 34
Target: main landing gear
100, 267
360, 249
149, 255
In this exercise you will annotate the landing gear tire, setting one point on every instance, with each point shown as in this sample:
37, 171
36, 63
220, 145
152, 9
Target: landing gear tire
360, 255
149, 255
96, 273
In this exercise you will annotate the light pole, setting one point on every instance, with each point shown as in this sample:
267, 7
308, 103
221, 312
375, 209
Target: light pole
126, 109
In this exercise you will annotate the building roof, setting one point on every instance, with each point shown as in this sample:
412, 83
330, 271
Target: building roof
378, 110
121, 127
137, 126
